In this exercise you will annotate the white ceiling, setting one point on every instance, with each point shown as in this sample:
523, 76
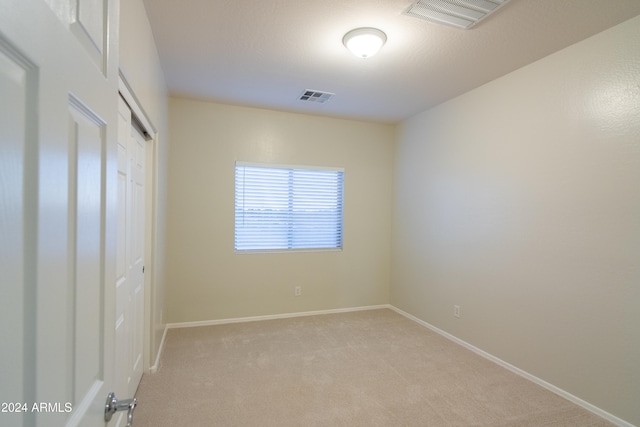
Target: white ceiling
265, 53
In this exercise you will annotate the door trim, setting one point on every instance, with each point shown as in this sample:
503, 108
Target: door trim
136, 107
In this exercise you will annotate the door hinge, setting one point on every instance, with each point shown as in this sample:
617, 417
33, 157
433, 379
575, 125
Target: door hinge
143, 269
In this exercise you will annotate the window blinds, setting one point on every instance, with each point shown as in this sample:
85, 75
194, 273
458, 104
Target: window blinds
287, 208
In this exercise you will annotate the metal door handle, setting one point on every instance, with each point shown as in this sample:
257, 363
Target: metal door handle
114, 405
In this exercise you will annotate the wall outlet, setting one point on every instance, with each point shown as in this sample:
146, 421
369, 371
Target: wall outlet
297, 291
456, 311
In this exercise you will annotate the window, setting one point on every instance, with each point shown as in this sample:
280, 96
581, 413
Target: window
287, 208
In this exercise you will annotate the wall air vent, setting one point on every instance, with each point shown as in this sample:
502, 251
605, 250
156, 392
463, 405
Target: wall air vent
457, 13
315, 96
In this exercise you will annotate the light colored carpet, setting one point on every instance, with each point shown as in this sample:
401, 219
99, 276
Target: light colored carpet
366, 368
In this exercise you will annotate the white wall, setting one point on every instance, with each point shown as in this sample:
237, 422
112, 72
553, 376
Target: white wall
205, 279
520, 202
140, 63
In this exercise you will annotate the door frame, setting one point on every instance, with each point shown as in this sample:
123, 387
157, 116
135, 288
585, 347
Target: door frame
151, 179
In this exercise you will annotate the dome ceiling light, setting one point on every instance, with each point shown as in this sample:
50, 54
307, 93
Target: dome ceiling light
364, 42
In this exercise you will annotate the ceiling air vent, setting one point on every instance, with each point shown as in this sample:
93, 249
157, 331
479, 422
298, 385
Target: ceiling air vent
315, 96
457, 13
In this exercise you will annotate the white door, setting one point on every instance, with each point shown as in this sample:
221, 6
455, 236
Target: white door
129, 325
58, 183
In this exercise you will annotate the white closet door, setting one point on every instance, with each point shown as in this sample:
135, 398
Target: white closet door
129, 325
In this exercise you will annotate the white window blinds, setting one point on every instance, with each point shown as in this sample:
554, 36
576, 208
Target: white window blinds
287, 208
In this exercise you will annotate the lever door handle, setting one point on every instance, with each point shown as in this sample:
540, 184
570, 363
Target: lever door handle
114, 405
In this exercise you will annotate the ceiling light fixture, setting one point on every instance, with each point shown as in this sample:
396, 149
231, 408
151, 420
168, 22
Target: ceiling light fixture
364, 42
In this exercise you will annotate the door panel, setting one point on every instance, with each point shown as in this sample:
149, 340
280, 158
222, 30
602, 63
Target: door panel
90, 27
86, 243
14, 193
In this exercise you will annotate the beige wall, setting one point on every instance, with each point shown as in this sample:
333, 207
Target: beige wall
205, 279
520, 202
140, 63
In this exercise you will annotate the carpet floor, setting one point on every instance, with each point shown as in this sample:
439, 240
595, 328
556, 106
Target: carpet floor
365, 368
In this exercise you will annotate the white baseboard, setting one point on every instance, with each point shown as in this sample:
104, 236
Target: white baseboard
273, 316
153, 369
586, 405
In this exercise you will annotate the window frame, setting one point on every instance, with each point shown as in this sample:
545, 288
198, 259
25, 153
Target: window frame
292, 168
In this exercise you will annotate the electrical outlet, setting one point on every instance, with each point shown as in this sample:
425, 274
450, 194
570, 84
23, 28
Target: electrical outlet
456, 311
297, 291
